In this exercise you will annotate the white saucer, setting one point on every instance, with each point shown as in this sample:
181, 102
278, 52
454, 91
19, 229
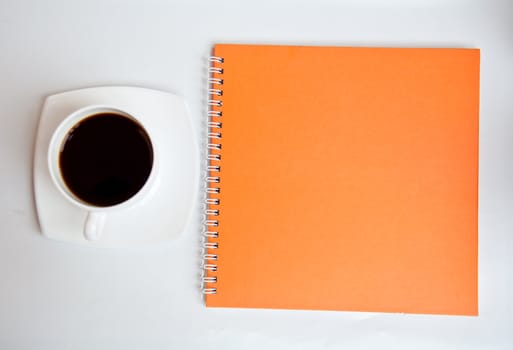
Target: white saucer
166, 212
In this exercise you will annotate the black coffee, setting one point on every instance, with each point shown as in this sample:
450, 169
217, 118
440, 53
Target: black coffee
106, 159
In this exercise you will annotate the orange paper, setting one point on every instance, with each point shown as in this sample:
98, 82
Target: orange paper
349, 179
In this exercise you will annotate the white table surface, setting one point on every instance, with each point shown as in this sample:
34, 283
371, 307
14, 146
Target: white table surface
60, 296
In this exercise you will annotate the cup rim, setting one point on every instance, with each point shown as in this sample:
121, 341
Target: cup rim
55, 146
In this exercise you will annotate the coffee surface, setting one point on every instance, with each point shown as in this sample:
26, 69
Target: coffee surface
106, 159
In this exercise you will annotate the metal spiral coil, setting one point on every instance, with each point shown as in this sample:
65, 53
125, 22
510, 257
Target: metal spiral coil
216, 157
214, 212
211, 234
217, 114
213, 201
208, 257
214, 136
210, 267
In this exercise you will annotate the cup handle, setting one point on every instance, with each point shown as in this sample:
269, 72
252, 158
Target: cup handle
94, 225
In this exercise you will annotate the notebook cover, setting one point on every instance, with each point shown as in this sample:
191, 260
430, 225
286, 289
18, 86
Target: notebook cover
349, 179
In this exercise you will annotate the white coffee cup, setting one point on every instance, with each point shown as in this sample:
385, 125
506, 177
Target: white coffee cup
96, 215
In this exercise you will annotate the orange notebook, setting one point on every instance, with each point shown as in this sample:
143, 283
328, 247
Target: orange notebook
343, 178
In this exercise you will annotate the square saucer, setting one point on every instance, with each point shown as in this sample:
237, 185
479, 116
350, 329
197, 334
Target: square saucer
165, 213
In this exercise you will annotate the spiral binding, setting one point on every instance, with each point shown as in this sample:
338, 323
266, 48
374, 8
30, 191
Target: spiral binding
214, 136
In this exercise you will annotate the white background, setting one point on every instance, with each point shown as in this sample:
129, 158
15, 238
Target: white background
59, 296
